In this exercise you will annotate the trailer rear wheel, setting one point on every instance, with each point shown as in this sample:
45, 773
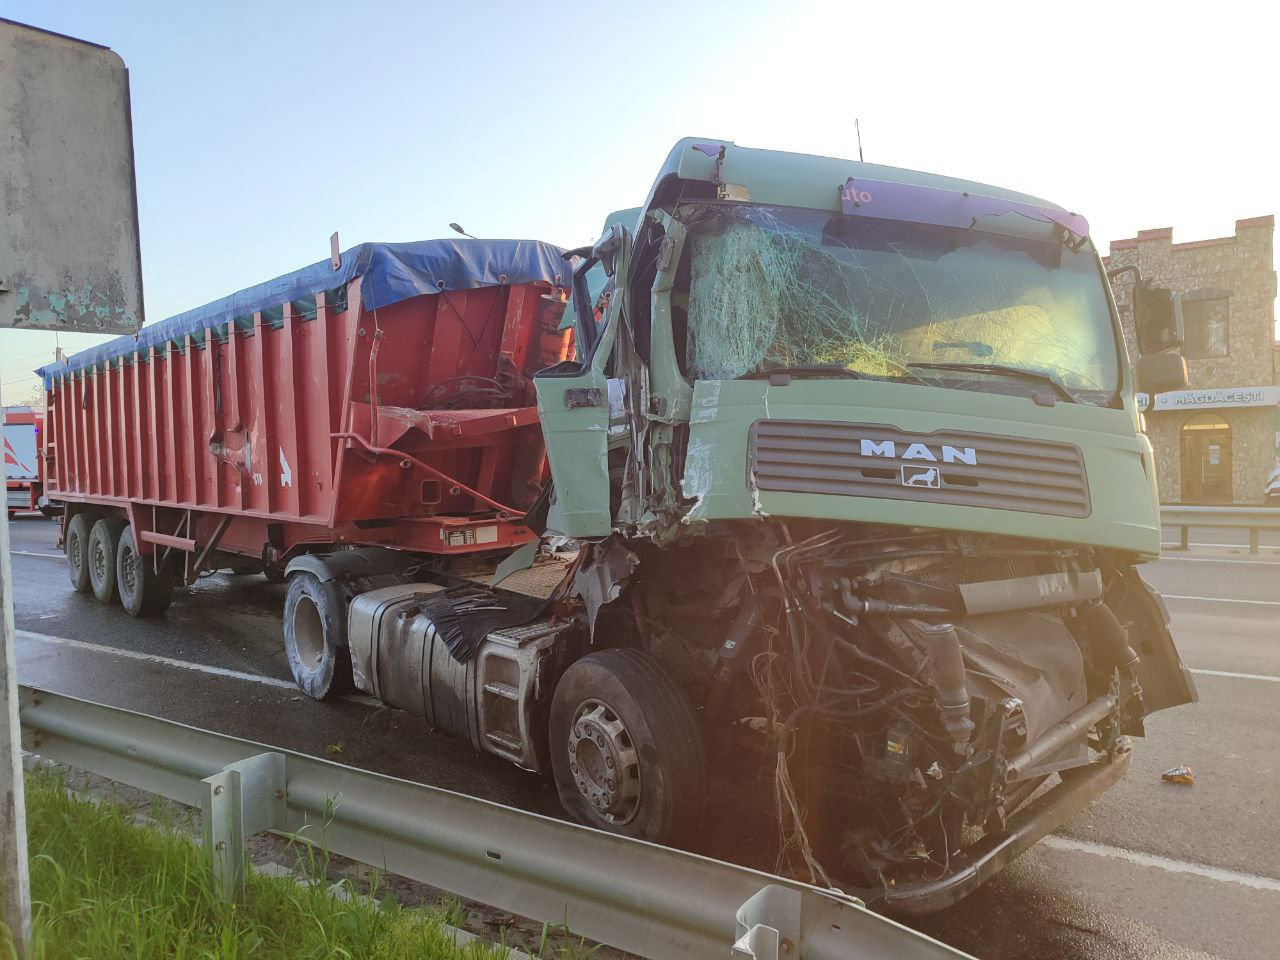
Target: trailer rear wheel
76, 543
315, 635
143, 592
104, 540
626, 750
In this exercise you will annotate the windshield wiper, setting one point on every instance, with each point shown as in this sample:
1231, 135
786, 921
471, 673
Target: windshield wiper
1001, 369
807, 370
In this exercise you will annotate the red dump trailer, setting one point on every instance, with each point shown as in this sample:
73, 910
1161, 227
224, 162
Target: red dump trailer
380, 398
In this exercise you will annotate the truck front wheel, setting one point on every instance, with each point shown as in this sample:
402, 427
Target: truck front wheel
315, 635
104, 541
626, 750
143, 592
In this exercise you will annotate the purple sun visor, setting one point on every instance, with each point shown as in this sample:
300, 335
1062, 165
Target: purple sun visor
886, 200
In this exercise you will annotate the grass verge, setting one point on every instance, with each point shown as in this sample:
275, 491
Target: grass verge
103, 885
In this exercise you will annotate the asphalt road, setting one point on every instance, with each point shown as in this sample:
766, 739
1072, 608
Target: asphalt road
1149, 870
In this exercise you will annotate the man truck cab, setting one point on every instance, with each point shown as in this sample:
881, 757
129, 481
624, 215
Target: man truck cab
854, 458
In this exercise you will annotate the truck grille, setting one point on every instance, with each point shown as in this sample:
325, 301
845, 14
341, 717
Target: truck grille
867, 460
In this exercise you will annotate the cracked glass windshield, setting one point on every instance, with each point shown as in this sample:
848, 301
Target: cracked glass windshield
775, 287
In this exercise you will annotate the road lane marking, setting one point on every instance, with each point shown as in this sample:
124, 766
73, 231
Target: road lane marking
47, 556
1233, 675
156, 658
1220, 874
363, 700
1260, 603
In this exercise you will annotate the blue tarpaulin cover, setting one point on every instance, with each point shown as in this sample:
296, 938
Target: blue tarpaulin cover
392, 272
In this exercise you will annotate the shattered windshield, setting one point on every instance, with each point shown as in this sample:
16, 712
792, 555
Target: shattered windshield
774, 287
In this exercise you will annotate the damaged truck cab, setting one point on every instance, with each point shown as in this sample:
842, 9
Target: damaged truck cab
855, 462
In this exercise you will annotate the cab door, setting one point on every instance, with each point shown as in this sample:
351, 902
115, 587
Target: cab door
573, 406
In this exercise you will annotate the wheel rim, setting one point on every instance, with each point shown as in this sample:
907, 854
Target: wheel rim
128, 570
308, 632
604, 762
99, 561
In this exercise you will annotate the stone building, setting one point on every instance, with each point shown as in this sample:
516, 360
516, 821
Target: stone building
1219, 441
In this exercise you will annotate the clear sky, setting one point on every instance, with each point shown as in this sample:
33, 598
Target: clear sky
260, 128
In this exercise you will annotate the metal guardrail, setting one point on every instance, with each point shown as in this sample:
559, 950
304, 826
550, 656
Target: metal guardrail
1249, 518
640, 897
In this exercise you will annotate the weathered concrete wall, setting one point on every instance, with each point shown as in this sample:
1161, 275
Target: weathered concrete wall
1240, 266
68, 219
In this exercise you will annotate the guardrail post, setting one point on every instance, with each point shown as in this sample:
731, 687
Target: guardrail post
1253, 539
1184, 542
15, 884
768, 925
247, 797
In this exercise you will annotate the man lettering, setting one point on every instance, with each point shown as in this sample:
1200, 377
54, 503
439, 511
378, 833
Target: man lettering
918, 451
952, 454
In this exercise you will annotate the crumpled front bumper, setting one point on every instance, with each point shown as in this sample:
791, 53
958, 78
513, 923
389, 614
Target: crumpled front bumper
984, 859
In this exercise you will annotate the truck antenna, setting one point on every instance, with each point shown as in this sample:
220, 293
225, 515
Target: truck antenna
857, 128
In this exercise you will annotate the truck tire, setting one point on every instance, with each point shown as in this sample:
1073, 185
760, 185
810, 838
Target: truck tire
626, 750
104, 540
76, 544
315, 636
143, 592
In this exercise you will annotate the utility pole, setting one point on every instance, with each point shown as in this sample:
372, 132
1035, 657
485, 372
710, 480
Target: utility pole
67, 160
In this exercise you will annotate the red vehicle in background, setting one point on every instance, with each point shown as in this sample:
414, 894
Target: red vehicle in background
23, 462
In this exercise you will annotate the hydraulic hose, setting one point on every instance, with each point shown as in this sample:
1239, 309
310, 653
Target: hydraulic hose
1111, 638
947, 662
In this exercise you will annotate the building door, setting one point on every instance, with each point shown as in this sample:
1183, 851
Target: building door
1206, 460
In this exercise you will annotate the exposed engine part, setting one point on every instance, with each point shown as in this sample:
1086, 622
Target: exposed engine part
1102, 624
731, 659
1028, 762
496, 699
1031, 593
899, 687
948, 677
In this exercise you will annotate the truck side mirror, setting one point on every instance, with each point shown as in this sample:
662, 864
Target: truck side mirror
608, 247
1157, 318
1160, 372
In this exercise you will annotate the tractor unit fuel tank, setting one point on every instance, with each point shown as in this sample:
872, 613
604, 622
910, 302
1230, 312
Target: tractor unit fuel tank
492, 696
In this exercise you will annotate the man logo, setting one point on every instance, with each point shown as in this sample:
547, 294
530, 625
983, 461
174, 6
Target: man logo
921, 477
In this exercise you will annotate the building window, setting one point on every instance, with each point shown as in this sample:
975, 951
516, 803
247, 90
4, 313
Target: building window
1206, 327
1206, 459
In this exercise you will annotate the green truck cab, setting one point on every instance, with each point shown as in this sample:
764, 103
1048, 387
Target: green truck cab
855, 462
